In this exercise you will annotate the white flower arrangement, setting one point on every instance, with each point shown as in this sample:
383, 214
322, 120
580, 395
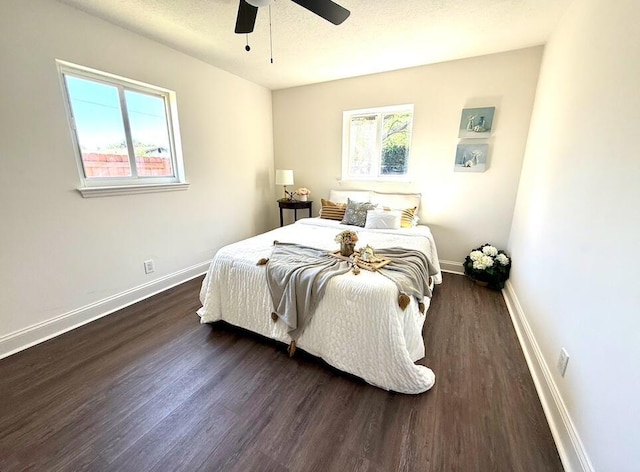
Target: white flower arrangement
503, 259
489, 265
475, 255
483, 263
490, 251
301, 194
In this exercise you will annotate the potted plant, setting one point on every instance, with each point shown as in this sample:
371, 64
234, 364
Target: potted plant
347, 240
303, 193
488, 266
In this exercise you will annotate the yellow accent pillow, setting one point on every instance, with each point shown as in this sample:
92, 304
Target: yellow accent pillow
406, 220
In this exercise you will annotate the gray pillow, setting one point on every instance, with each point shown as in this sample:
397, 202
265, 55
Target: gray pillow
356, 213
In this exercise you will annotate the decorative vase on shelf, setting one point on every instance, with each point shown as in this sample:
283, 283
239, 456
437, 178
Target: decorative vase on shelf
303, 198
470, 124
346, 249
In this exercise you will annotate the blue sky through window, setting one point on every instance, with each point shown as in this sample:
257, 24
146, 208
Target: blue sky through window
96, 109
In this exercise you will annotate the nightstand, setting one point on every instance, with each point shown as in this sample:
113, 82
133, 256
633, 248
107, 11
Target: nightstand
294, 205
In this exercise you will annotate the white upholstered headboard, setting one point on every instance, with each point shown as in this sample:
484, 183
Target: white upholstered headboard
394, 201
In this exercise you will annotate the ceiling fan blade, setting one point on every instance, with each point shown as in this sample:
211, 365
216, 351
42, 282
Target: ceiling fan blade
327, 9
246, 17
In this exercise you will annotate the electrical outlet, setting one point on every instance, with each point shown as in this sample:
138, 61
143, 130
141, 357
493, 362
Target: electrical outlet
148, 266
563, 360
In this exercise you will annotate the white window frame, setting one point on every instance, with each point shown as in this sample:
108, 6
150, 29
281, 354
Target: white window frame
346, 144
95, 186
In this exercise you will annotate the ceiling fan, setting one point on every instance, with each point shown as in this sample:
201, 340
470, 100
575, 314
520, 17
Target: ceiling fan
248, 10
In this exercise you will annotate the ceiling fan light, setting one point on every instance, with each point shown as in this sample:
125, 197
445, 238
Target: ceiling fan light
259, 3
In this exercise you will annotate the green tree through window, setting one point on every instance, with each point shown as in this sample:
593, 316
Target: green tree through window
376, 142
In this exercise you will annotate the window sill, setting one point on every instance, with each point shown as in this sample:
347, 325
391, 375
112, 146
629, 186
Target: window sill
90, 192
402, 180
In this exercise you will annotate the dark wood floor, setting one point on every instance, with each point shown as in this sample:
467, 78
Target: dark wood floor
149, 388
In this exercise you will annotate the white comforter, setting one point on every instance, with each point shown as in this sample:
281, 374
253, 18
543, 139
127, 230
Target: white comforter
358, 326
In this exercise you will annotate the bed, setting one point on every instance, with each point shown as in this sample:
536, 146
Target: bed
358, 326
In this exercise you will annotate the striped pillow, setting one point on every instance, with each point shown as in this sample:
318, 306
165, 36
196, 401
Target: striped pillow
332, 211
407, 220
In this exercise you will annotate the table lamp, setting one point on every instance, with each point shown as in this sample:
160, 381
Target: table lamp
284, 177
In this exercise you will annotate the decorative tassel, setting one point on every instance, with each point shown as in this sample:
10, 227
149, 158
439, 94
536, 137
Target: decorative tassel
403, 300
263, 261
274, 316
292, 349
421, 307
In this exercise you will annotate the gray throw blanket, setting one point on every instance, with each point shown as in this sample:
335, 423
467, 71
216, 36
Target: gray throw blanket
410, 270
297, 278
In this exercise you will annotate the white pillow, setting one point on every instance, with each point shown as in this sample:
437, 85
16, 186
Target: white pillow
397, 201
343, 196
377, 219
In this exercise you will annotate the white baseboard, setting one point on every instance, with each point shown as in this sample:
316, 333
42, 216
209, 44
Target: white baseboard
37, 333
452, 267
572, 452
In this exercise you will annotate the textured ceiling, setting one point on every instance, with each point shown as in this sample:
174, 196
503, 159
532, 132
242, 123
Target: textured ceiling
378, 36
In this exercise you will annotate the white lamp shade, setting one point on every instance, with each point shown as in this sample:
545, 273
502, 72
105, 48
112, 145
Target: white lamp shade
259, 3
284, 177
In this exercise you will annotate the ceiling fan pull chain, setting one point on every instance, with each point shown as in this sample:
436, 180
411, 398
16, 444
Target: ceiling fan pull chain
247, 47
270, 36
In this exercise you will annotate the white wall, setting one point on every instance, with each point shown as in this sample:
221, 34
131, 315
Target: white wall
60, 252
575, 237
464, 210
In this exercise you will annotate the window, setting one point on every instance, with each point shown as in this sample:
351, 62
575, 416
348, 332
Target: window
376, 142
124, 133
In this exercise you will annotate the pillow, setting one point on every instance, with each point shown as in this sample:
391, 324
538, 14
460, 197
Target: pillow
342, 196
409, 218
331, 210
356, 213
377, 219
397, 201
